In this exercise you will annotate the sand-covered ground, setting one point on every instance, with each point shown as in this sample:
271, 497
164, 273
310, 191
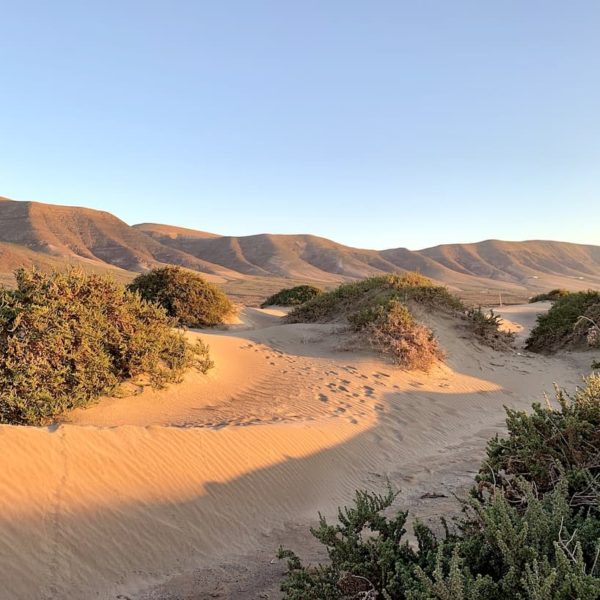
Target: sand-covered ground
187, 492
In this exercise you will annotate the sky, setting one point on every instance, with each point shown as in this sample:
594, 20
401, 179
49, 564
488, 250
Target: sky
375, 123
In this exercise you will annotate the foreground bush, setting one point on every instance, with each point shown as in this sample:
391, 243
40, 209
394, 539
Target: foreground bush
68, 338
524, 535
545, 446
573, 320
550, 296
185, 295
293, 296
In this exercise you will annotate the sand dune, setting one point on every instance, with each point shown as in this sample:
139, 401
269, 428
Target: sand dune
146, 496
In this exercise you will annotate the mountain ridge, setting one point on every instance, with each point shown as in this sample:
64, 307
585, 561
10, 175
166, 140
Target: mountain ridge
51, 234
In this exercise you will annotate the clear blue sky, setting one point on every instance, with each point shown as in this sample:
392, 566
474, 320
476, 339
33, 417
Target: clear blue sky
375, 123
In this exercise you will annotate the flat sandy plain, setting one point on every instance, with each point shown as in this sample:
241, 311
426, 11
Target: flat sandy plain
187, 492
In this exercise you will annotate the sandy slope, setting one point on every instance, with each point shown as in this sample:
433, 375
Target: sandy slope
187, 492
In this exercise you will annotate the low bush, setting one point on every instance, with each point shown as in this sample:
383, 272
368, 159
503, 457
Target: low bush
381, 308
185, 295
391, 329
353, 297
293, 296
524, 534
550, 296
546, 445
572, 320
68, 338
487, 328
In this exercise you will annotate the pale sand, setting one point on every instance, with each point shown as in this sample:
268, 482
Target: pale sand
186, 487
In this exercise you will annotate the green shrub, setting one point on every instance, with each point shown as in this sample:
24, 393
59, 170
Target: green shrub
68, 338
530, 531
487, 328
350, 298
550, 296
185, 295
547, 445
293, 296
563, 326
381, 309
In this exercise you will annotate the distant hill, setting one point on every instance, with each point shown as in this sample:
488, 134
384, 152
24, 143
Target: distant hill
32, 233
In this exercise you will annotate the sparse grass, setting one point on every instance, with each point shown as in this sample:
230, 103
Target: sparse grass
531, 529
68, 338
550, 296
293, 296
563, 326
185, 295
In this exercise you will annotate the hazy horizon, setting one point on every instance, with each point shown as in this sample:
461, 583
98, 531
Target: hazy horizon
379, 126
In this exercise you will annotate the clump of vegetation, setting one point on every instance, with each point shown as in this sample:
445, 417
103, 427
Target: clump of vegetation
523, 534
353, 297
68, 338
546, 446
487, 327
391, 328
573, 320
185, 295
293, 296
550, 296
382, 308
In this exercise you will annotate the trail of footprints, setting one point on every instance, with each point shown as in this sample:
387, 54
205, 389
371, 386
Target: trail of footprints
299, 388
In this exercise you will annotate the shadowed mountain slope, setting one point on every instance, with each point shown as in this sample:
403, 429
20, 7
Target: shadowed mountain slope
90, 235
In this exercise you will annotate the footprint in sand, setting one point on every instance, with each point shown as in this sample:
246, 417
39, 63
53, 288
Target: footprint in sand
323, 398
379, 374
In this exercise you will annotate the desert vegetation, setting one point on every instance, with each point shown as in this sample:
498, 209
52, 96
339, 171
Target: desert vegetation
530, 528
550, 296
572, 321
185, 295
293, 296
68, 338
383, 310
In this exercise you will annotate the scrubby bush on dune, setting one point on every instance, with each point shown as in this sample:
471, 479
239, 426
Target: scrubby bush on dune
486, 326
524, 534
550, 296
185, 295
349, 298
391, 328
68, 338
573, 320
293, 296
382, 308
